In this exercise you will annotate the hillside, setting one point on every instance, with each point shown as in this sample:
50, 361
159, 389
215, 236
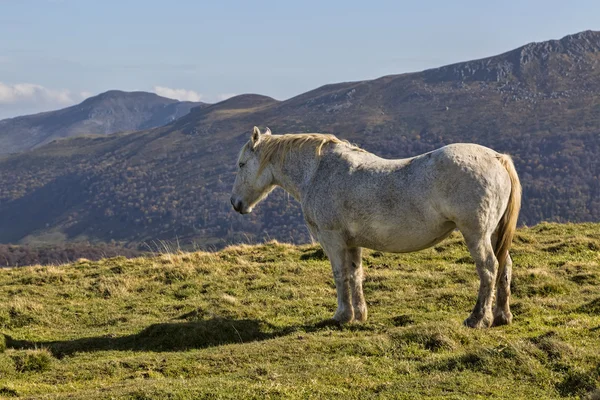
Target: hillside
106, 113
251, 322
540, 103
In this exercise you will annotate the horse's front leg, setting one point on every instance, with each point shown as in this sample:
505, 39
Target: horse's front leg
356, 279
339, 256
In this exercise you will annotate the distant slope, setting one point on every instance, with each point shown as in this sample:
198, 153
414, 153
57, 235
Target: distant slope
540, 103
106, 113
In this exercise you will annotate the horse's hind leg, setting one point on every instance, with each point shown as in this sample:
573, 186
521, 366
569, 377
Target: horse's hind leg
502, 314
339, 256
481, 250
356, 279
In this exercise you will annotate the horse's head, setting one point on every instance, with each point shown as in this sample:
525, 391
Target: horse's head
252, 183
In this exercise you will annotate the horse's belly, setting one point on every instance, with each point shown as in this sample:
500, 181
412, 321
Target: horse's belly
403, 239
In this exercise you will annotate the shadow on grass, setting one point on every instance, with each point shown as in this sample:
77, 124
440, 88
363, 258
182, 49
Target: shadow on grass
177, 336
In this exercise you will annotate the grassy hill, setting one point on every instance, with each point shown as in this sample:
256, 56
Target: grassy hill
540, 103
250, 322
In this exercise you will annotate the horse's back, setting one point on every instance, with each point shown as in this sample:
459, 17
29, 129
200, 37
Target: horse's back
404, 205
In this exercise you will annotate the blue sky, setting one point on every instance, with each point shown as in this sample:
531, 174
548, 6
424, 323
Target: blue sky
54, 53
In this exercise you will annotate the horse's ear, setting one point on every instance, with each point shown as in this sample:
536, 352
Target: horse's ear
255, 137
267, 132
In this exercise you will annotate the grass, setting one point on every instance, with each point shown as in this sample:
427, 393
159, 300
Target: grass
252, 322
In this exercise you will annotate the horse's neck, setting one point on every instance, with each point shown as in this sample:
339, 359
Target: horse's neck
296, 172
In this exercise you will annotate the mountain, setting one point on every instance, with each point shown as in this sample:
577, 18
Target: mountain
540, 103
106, 113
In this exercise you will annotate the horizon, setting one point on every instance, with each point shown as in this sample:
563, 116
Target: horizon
44, 67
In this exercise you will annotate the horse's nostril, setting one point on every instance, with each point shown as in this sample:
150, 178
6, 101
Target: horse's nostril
237, 204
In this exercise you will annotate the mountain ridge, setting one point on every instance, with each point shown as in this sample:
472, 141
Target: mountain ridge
174, 181
498, 68
106, 113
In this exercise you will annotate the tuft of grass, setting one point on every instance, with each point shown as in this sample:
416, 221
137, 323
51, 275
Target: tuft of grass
18, 315
593, 307
317, 254
508, 360
552, 346
578, 383
6, 391
32, 360
402, 320
432, 338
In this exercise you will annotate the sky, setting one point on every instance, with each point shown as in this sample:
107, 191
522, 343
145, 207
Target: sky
55, 53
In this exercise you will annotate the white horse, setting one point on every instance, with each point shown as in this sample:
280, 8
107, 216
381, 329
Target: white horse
353, 199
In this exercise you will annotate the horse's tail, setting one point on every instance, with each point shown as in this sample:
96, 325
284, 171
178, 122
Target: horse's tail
508, 223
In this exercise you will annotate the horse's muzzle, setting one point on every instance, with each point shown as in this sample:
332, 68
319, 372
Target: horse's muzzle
237, 205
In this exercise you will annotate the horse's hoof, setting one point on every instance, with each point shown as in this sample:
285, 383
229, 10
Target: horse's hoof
502, 318
343, 317
360, 314
478, 322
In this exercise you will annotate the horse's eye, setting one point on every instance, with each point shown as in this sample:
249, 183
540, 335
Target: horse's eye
242, 164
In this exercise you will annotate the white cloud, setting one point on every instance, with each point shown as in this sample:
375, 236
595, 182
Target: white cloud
177, 94
29, 98
225, 96
30, 93
190, 95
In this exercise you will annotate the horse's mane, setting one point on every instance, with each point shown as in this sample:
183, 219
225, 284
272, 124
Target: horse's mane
278, 146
